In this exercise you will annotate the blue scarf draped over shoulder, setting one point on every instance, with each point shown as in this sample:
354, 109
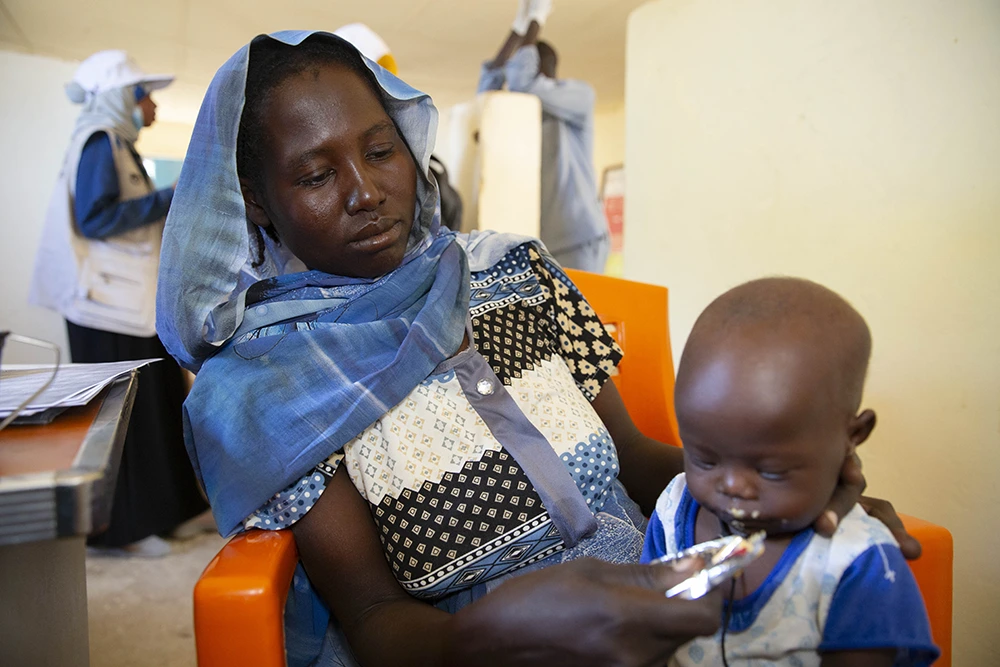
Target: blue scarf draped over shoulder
281, 398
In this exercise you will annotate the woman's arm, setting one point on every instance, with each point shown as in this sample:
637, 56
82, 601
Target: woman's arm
647, 465
97, 206
586, 613
343, 556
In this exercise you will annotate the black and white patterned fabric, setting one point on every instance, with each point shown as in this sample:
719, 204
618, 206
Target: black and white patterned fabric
452, 506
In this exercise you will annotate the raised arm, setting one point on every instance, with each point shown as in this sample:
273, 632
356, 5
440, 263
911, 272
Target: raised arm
570, 100
507, 49
491, 76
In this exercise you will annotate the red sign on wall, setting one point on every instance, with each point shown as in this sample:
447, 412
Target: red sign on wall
613, 198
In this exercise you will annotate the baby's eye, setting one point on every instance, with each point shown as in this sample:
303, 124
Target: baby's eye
773, 475
701, 463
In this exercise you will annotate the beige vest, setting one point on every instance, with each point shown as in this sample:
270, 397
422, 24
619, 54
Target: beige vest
107, 284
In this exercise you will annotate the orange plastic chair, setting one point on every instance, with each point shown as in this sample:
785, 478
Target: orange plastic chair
239, 601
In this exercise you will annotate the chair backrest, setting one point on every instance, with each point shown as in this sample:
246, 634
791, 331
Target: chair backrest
636, 316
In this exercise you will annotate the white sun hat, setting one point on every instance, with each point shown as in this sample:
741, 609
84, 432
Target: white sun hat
107, 70
368, 42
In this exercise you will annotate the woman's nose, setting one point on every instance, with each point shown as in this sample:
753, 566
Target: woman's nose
736, 483
365, 194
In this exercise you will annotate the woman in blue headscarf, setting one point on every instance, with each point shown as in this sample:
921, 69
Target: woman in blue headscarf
430, 414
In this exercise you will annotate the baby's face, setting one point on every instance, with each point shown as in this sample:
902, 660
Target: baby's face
763, 442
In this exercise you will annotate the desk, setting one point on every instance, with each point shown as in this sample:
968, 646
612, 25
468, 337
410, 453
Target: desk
57, 482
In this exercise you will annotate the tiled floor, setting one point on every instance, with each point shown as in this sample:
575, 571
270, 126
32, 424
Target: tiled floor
140, 610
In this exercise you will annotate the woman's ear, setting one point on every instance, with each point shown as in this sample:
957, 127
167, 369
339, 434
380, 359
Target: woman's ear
860, 427
255, 212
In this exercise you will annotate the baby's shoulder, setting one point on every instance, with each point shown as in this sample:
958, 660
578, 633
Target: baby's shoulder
856, 535
670, 498
859, 528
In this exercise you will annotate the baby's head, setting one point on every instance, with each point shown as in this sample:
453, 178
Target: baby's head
768, 394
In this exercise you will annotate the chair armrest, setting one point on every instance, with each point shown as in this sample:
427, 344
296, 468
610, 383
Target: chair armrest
239, 601
933, 572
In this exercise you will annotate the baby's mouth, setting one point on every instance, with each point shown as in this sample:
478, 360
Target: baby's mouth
738, 518
740, 514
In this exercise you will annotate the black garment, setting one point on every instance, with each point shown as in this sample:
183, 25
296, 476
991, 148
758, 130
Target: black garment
451, 201
156, 489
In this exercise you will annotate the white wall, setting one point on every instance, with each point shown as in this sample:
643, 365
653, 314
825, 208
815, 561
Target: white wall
37, 121
855, 143
165, 140
609, 139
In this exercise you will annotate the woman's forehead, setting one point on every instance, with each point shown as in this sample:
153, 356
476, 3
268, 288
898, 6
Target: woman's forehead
316, 105
332, 86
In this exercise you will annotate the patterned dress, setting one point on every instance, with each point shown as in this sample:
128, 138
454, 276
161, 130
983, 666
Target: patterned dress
460, 475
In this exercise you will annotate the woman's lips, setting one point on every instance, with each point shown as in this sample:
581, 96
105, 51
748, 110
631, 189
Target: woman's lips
378, 236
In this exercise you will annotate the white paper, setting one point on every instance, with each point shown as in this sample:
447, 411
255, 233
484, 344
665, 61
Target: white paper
74, 384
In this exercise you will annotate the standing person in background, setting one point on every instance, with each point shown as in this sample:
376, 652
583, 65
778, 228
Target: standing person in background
97, 266
573, 226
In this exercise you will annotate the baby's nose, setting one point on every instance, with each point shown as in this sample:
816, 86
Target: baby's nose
738, 484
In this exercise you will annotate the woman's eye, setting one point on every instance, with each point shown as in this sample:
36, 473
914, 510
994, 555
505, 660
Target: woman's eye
380, 152
317, 178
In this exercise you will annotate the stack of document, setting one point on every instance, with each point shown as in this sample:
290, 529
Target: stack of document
74, 384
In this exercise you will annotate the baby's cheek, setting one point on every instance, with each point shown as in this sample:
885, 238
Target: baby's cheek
699, 485
803, 507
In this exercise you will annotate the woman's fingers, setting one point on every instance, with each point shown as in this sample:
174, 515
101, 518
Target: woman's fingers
586, 613
645, 587
659, 577
680, 620
850, 486
848, 492
886, 513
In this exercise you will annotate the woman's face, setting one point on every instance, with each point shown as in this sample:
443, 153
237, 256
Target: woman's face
148, 107
338, 181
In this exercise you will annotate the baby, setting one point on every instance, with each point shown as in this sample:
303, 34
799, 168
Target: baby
768, 401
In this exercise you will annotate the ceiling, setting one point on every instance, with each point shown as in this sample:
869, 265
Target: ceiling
438, 44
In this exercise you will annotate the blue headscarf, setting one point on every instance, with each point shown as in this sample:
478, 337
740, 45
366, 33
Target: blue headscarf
293, 363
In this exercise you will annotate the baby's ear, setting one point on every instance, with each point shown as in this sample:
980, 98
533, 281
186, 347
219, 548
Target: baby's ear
860, 427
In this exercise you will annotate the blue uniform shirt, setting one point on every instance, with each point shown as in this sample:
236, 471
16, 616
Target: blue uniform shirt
571, 214
97, 206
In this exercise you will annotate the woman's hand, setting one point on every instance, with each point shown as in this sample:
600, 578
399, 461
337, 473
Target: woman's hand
583, 613
848, 492
884, 512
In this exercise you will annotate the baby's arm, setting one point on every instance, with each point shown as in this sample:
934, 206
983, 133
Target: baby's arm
876, 609
873, 658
